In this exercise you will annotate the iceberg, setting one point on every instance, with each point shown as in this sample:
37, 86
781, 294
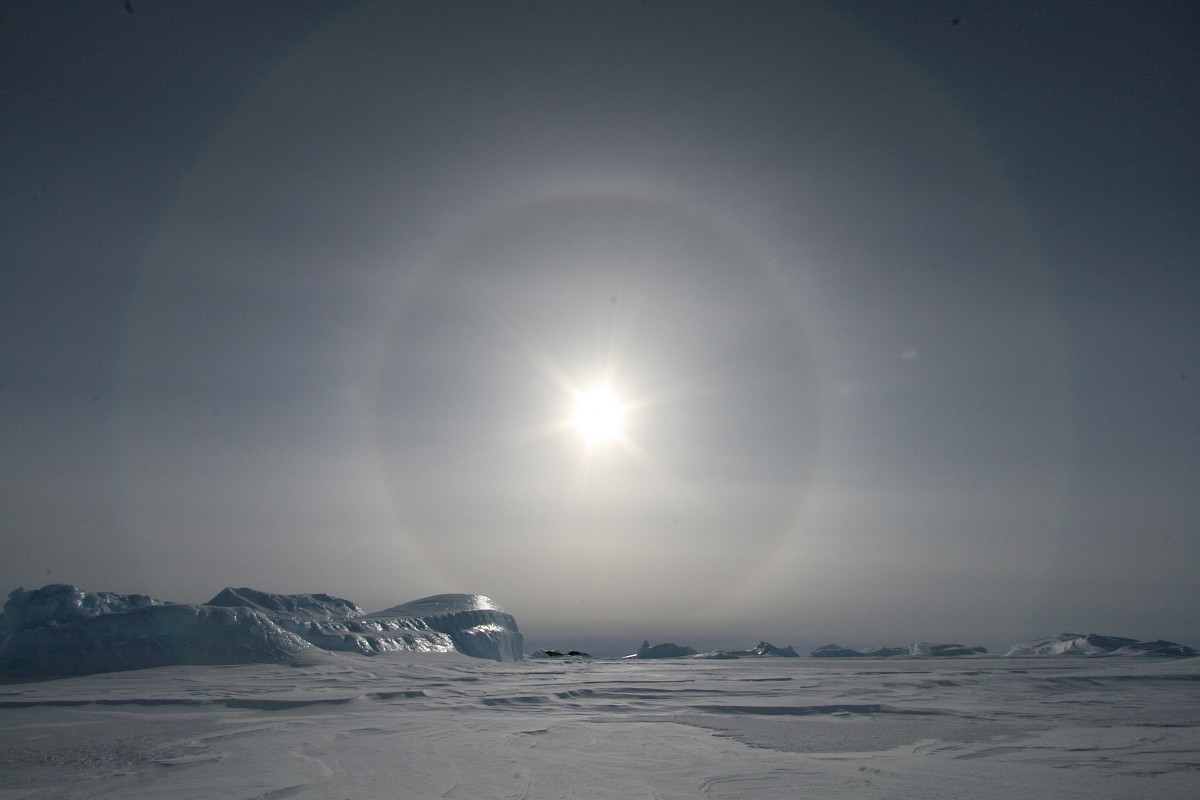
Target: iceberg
767, 649
288, 606
1092, 644
885, 652
331, 623
762, 649
61, 630
938, 650
837, 651
476, 625
155, 635
920, 649
665, 650
58, 603
569, 655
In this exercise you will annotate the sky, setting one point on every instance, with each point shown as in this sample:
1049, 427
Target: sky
900, 304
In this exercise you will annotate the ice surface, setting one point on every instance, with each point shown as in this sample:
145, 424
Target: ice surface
61, 630
428, 726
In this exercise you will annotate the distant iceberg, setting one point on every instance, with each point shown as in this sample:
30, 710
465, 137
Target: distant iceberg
570, 655
670, 650
762, 649
62, 630
767, 649
666, 650
933, 650
1092, 644
921, 649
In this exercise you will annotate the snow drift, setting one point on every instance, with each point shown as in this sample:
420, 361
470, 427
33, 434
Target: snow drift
1092, 644
61, 630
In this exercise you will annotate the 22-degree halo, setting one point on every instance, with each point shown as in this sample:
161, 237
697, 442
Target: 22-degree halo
677, 311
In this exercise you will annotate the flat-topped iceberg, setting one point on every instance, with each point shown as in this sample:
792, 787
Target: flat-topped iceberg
61, 630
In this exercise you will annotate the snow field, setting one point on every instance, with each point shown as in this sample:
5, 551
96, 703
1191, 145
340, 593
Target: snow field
410, 725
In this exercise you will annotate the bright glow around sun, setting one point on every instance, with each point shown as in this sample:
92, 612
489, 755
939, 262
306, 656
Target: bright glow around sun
598, 415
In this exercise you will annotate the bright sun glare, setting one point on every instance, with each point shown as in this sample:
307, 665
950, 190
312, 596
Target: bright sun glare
598, 415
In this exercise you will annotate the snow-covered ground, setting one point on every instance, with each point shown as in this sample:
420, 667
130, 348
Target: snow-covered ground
425, 725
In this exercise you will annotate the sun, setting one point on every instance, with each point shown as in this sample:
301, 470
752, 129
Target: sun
598, 415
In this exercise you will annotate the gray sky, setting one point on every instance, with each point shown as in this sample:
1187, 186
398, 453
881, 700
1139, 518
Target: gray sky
902, 299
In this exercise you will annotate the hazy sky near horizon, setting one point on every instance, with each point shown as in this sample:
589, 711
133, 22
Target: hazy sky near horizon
903, 301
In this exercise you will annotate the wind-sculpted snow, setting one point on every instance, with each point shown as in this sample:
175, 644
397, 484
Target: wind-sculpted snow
429, 726
1092, 644
60, 630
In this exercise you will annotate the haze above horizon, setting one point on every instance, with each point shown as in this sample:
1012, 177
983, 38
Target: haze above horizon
895, 307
